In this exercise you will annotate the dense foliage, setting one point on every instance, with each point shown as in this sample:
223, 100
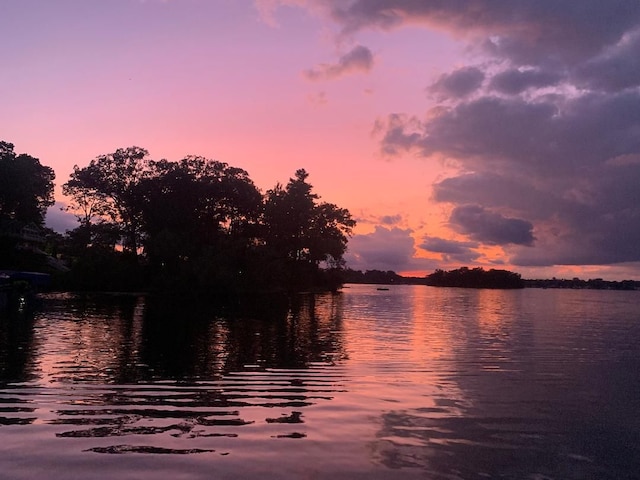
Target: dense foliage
461, 277
26, 190
26, 187
475, 278
199, 224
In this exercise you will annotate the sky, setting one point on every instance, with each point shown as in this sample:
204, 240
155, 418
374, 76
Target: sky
492, 133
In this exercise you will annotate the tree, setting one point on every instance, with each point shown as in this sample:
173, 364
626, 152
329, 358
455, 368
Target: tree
475, 278
106, 188
26, 187
193, 204
301, 232
202, 225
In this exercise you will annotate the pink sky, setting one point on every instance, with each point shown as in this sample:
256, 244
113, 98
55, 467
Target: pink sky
503, 135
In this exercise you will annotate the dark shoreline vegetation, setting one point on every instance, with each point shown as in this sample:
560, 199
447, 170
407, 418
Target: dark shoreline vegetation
189, 227
479, 278
193, 228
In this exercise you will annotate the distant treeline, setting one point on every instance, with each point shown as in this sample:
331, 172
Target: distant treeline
475, 278
576, 283
480, 278
461, 277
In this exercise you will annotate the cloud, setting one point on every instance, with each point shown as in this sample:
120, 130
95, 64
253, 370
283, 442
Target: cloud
384, 249
514, 81
267, 9
459, 83
390, 219
387, 249
442, 245
525, 31
544, 128
369, 218
60, 220
451, 250
358, 59
489, 227
561, 163
616, 68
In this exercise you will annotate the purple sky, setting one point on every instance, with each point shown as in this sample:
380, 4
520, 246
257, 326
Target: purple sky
497, 133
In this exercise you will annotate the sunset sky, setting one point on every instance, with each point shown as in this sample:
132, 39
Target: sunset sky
494, 133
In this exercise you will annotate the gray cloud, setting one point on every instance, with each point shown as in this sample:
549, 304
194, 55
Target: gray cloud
523, 30
358, 59
451, 250
442, 245
514, 81
552, 135
615, 69
390, 219
60, 220
496, 191
459, 83
384, 249
490, 227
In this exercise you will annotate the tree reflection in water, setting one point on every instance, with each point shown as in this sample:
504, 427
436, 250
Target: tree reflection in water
134, 366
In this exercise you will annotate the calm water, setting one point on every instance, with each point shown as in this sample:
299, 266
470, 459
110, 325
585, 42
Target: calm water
413, 382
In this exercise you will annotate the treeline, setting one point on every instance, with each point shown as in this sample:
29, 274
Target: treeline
461, 277
188, 226
577, 283
480, 278
475, 278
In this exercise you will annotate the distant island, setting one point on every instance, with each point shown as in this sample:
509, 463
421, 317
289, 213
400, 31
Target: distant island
466, 277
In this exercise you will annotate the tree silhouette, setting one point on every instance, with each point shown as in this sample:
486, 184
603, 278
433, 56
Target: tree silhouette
300, 232
202, 225
26, 187
195, 206
106, 188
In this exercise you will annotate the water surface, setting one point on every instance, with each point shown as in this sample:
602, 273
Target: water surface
413, 382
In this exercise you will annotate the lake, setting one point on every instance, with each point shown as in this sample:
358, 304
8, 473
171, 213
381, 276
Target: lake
409, 382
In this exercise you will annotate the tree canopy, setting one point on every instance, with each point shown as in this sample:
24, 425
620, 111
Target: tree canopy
302, 232
106, 189
26, 186
475, 278
202, 222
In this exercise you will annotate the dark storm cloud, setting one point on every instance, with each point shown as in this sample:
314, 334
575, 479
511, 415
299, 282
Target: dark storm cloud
458, 83
489, 227
359, 59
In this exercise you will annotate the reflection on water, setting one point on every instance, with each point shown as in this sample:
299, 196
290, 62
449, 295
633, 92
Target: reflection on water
408, 382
